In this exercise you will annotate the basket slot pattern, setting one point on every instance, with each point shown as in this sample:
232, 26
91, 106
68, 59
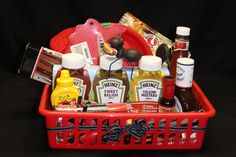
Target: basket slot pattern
138, 132
156, 131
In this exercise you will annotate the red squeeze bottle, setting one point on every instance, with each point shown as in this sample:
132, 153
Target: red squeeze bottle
167, 101
181, 47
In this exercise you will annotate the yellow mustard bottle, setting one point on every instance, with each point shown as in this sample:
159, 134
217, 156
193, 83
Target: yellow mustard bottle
146, 84
65, 92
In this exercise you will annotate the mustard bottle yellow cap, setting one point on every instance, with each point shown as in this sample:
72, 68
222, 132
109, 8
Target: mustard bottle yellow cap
65, 80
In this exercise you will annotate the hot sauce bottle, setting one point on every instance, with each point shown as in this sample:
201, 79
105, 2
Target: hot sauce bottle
185, 101
75, 64
167, 101
146, 84
181, 47
111, 84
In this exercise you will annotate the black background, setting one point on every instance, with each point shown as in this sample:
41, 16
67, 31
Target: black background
212, 43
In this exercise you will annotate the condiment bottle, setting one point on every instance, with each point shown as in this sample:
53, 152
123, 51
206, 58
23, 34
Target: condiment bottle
111, 84
185, 101
146, 84
167, 101
65, 92
75, 64
181, 47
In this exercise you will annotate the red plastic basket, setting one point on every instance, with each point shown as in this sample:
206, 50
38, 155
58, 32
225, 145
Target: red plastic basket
83, 130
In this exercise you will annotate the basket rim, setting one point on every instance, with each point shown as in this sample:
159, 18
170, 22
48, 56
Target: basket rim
210, 113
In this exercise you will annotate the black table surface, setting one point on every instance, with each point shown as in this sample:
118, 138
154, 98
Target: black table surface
23, 130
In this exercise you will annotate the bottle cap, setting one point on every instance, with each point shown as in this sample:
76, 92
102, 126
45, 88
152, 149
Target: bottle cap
185, 31
65, 80
185, 61
150, 63
73, 61
168, 84
107, 60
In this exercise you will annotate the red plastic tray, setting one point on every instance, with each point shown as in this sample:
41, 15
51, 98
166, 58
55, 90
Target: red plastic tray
70, 130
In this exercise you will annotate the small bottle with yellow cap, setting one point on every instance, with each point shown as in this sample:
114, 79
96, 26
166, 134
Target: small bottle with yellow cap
65, 93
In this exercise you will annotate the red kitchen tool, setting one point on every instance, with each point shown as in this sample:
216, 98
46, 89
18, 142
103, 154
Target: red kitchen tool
89, 36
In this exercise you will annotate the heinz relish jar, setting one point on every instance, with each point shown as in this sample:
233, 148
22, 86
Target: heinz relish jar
111, 84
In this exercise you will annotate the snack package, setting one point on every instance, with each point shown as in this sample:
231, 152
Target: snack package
153, 38
38, 63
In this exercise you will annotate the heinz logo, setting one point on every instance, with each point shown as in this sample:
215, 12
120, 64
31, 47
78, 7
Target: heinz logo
111, 84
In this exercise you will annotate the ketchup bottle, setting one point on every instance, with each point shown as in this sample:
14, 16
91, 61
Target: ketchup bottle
181, 47
185, 101
75, 64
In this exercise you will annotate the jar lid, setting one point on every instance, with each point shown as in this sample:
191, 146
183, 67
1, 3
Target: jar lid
150, 63
72, 61
185, 31
106, 60
185, 61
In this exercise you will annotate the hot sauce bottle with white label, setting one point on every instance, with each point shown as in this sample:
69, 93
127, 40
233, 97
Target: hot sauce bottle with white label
111, 84
147, 82
185, 101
